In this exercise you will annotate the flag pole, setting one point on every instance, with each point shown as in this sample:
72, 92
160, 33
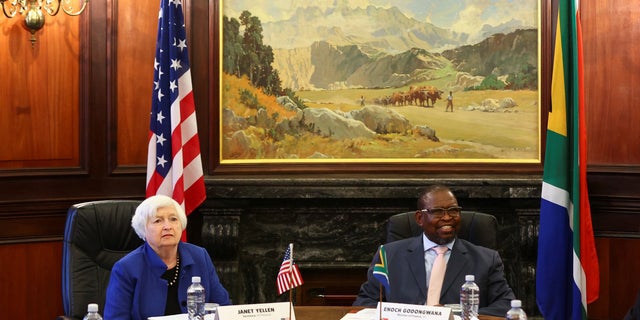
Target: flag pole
290, 280
380, 292
380, 312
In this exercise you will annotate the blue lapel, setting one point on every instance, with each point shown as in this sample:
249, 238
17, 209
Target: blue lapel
415, 261
456, 265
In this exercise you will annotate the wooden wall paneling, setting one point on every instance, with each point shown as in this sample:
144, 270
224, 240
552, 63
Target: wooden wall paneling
40, 94
136, 26
97, 122
31, 279
619, 283
200, 34
623, 275
612, 78
91, 178
610, 30
41, 213
32, 227
614, 193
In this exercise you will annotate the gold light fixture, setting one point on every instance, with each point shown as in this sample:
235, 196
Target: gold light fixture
32, 11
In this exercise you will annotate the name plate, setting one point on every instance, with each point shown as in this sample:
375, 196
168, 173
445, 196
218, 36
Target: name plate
401, 311
262, 311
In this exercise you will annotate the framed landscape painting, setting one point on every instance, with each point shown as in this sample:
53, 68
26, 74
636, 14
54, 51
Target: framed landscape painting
378, 82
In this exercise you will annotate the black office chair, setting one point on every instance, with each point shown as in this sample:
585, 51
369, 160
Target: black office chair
478, 228
97, 234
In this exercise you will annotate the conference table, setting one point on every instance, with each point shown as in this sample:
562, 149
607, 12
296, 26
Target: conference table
337, 312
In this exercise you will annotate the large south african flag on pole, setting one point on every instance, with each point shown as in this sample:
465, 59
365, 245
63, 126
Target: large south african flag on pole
567, 276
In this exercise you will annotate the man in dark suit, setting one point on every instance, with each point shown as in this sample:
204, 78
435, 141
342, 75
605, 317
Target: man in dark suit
409, 261
634, 311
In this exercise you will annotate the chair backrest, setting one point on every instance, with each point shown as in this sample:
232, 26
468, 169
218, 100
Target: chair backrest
97, 234
478, 228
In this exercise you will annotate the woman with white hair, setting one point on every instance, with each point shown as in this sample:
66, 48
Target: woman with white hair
152, 280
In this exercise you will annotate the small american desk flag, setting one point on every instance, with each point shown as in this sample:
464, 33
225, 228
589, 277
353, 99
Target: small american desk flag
174, 166
289, 276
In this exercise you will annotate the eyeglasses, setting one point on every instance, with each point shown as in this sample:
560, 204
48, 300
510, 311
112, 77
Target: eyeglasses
453, 212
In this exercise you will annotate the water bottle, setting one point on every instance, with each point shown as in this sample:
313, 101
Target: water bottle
516, 312
469, 298
195, 299
92, 312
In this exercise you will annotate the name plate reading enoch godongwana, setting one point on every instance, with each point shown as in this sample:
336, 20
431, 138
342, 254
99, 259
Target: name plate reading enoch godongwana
259, 311
401, 311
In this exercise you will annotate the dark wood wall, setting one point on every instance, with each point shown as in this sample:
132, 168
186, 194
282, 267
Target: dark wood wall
74, 119
610, 31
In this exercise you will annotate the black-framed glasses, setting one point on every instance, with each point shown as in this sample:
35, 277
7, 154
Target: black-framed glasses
453, 212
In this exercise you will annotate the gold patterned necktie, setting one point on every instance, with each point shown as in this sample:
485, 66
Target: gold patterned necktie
437, 276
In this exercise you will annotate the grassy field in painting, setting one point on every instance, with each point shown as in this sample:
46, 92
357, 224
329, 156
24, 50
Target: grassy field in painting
464, 135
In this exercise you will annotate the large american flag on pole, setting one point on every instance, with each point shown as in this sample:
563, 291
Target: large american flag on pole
174, 166
289, 275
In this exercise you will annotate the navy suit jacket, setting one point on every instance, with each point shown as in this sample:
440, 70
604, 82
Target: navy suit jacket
634, 311
408, 279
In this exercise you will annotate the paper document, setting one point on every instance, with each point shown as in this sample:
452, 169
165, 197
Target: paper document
364, 314
182, 316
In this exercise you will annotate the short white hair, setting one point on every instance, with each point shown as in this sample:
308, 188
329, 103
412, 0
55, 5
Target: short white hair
148, 209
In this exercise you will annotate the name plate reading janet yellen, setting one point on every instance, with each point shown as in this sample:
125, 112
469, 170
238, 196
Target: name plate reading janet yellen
259, 311
401, 311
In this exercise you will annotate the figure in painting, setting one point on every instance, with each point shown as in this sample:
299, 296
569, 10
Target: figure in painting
449, 102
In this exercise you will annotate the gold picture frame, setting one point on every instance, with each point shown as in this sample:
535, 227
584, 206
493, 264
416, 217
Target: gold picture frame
240, 127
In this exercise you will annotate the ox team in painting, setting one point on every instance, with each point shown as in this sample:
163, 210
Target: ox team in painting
423, 96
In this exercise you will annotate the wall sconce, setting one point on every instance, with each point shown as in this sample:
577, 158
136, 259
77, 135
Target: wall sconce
32, 11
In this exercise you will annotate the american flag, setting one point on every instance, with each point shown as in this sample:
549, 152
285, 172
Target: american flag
289, 276
174, 166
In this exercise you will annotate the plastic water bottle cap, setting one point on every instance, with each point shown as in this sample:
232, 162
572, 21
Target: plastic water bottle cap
195, 279
92, 307
469, 277
516, 304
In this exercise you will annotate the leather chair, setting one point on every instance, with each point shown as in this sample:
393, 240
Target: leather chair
97, 234
478, 228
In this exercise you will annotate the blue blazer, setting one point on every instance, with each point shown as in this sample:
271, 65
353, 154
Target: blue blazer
408, 277
136, 290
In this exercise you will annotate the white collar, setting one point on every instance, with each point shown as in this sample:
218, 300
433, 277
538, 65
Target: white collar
428, 244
